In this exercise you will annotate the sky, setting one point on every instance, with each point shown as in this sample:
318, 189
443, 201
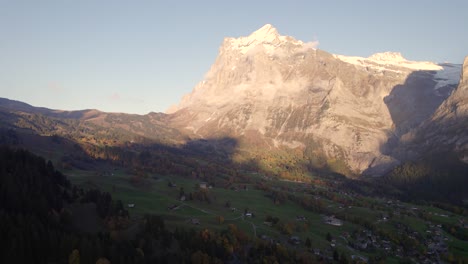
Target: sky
141, 56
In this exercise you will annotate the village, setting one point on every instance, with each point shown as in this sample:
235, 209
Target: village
411, 237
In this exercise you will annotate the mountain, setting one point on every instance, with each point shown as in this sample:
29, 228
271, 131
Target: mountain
446, 131
286, 105
152, 126
274, 93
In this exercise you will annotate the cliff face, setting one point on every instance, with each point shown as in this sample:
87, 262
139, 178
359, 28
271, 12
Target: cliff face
271, 91
455, 108
447, 130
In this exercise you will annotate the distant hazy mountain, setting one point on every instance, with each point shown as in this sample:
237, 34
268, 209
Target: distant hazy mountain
152, 126
275, 92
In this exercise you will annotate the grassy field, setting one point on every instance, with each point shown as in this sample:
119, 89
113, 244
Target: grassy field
153, 195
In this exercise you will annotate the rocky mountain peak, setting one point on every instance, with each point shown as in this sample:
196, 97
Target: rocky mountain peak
388, 56
273, 92
267, 37
267, 33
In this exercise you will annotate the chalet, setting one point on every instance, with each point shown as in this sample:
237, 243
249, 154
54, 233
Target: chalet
362, 244
331, 220
267, 239
317, 252
295, 240
194, 221
300, 218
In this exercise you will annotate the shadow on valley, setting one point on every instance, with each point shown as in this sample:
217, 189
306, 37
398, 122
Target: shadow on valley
138, 144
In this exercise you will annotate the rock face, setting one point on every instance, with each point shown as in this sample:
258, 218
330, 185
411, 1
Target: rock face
271, 91
447, 129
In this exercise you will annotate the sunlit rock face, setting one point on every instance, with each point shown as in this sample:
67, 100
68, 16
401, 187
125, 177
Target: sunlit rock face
271, 91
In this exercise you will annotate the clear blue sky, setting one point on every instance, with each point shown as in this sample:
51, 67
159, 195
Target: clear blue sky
140, 56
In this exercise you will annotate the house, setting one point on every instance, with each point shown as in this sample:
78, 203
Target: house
300, 218
194, 221
317, 252
331, 220
203, 185
362, 244
248, 214
295, 240
182, 198
131, 205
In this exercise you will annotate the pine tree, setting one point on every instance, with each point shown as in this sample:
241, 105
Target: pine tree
308, 244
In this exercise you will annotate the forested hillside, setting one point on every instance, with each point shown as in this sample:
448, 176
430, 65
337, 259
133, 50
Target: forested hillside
38, 222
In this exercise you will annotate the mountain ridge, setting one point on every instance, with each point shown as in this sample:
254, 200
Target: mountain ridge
295, 94
276, 94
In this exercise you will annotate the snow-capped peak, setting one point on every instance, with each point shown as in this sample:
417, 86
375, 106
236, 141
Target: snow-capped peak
267, 33
446, 74
267, 36
387, 57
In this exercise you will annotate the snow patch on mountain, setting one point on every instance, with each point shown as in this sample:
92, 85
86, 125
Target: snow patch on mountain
380, 61
449, 75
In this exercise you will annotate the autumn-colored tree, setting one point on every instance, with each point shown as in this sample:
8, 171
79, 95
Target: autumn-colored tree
103, 261
74, 257
200, 258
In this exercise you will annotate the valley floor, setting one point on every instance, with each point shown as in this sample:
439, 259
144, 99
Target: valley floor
301, 216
